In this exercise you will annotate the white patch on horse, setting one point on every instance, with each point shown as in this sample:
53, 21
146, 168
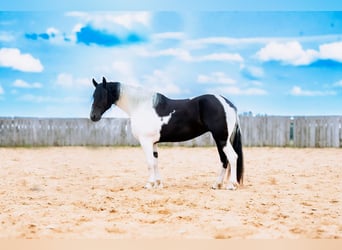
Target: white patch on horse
146, 125
131, 98
165, 119
232, 122
138, 104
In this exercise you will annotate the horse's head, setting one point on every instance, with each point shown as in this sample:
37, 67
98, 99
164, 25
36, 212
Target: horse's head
105, 95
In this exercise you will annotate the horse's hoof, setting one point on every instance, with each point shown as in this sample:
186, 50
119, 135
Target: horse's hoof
157, 184
216, 186
231, 186
149, 185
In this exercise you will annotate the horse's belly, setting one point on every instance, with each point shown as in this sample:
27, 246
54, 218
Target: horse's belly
180, 132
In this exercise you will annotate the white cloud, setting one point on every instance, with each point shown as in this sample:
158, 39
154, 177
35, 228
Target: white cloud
50, 99
6, 37
235, 90
332, 51
2, 91
256, 83
121, 71
254, 91
288, 53
22, 84
75, 29
124, 71
128, 20
160, 81
37, 99
184, 55
69, 81
338, 84
119, 23
122, 67
298, 91
13, 58
179, 53
52, 31
293, 53
106, 20
58, 37
252, 72
225, 41
232, 57
233, 41
168, 35
216, 78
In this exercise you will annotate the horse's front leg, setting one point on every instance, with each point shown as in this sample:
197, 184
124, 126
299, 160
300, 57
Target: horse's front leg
150, 149
158, 181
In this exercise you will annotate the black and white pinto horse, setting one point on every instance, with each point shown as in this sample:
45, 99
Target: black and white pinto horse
156, 118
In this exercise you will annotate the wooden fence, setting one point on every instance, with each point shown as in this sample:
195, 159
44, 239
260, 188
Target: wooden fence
298, 131
281, 131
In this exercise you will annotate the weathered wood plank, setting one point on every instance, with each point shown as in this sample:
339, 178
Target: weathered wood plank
323, 131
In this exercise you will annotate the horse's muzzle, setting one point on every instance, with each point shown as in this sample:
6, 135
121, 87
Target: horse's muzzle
95, 118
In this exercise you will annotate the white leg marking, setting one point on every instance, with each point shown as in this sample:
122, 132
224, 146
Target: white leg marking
232, 120
154, 179
219, 182
158, 182
232, 158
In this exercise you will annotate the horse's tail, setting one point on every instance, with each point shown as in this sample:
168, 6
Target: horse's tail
237, 145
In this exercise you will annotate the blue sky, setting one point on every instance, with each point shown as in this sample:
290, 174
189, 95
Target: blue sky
276, 62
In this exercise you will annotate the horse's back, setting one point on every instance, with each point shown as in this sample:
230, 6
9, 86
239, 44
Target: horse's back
190, 117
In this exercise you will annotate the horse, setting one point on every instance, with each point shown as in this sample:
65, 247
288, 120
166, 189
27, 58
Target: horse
156, 118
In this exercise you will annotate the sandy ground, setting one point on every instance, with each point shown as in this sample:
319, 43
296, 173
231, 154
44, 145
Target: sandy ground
79, 192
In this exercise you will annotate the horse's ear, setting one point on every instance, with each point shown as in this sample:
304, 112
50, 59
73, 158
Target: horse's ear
95, 83
104, 81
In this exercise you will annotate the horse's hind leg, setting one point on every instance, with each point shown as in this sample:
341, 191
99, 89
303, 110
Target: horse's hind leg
232, 158
228, 158
219, 181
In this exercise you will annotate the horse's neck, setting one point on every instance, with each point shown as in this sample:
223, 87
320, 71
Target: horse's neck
132, 98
